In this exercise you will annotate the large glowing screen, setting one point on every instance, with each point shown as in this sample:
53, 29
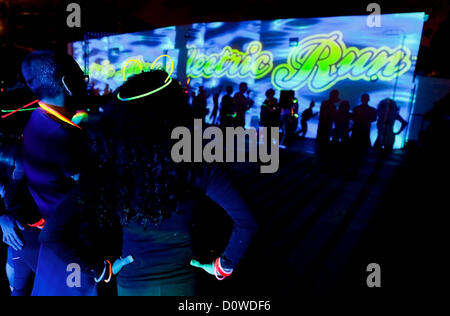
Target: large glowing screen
310, 55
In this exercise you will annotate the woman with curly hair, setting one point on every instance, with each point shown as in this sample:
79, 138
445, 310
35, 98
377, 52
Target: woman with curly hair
133, 181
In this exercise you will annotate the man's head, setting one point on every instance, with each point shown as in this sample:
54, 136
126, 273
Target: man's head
229, 89
270, 93
334, 95
365, 99
243, 87
42, 74
51, 75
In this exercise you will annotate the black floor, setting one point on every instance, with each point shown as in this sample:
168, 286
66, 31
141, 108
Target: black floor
325, 216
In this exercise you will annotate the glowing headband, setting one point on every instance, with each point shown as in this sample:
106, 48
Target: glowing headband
152, 91
58, 115
144, 94
125, 66
171, 70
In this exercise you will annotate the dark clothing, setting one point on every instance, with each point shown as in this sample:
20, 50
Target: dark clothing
71, 235
213, 115
326, 119
52, 275
226, 111
163, 253
24, 262
19, 204
241, 104
289, 122
306, 116
270, 113
362, 116
185, 288
200, 106
342, 126
52, 154
17, 200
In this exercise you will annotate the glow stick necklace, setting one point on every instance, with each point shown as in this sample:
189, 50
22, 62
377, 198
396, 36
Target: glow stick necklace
58, 115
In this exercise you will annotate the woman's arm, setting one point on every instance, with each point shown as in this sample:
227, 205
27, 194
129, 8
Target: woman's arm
217, 186
403, 122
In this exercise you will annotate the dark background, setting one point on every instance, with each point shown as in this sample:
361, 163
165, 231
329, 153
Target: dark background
26, 24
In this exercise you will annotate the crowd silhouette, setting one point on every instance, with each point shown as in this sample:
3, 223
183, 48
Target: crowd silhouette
338, 123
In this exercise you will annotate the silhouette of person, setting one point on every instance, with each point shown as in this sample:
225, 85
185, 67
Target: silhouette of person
363, 115
387, 115
435, 136
326, 118
53, 154
241, 104
342, 122
306, 116
270, 110
226, 108
107, 90
213, 115
289, 116
200, 104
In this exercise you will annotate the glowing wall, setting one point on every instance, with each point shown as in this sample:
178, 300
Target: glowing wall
311, 56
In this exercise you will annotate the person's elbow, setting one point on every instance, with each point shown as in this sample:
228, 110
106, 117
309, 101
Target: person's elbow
250, 225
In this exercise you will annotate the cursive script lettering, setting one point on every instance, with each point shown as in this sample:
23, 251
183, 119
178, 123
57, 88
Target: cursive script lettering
320, 61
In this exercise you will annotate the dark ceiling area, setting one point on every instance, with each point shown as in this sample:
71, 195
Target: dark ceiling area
43, 23
26, 25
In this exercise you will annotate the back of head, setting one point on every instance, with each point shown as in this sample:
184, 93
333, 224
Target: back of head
42, 73
270, 93
152, 104
334, 95
243, 87
133, 141
365, 98
387, 103
49, 74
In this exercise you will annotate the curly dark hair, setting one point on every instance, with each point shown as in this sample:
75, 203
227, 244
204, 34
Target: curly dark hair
134, 175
